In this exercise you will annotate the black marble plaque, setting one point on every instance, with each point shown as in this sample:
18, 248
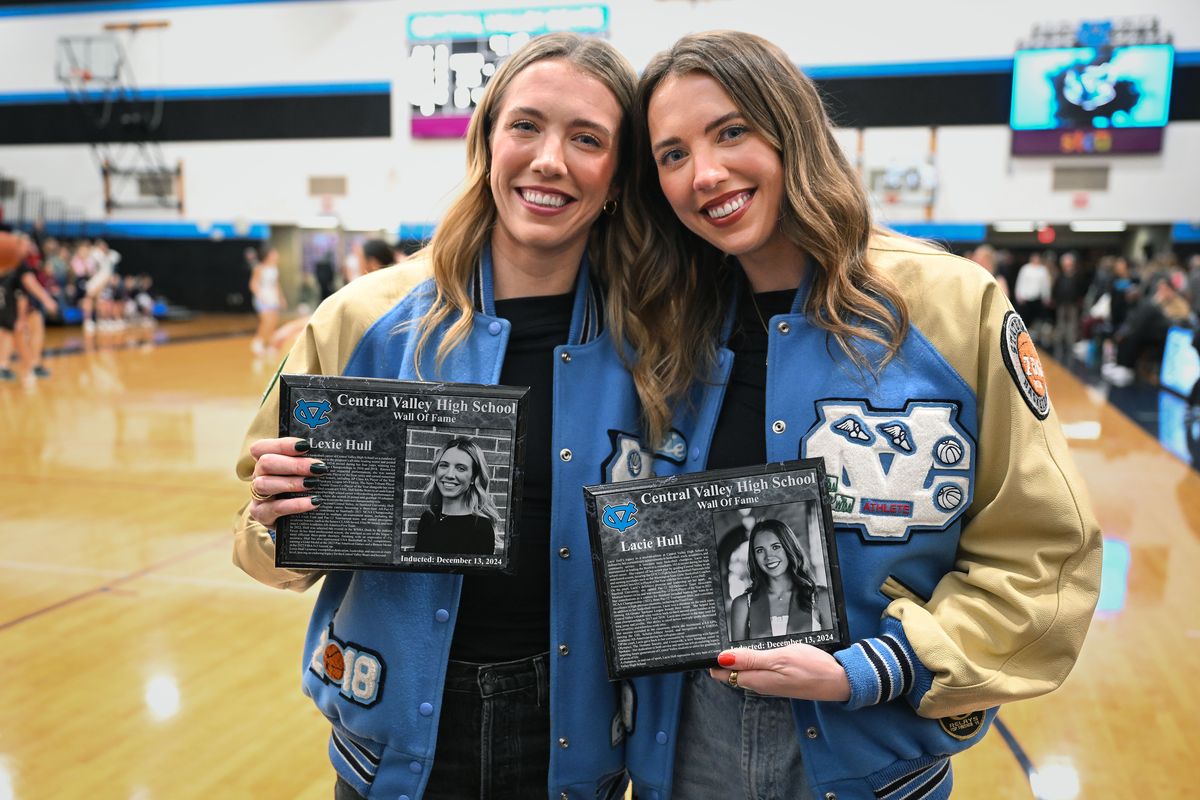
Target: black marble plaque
422, 476
691, 565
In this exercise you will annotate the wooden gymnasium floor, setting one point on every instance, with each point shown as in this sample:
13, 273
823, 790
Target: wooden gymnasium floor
139, 664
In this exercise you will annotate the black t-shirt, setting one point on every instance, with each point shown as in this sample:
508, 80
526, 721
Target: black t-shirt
740, 437
507, 617
466, 534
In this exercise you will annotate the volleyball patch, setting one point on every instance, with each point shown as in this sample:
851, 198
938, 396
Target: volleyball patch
1023, 363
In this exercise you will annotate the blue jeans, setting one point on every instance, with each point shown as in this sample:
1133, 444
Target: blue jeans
493, 733
736, 744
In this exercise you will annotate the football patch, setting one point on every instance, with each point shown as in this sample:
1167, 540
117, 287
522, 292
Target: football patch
1021, 358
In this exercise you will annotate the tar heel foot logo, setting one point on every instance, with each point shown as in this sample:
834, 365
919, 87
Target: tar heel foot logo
355, 670
620, 518
893, 472
1024, 365
629, 460
313, 413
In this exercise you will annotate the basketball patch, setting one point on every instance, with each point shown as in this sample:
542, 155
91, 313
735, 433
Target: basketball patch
1021, 358
964, 726
357, 671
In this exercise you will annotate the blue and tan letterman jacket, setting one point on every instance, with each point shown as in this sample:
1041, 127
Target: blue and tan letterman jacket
970, 557
384, 717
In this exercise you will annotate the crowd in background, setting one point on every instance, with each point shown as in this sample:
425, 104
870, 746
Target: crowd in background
65, 281
1112, 313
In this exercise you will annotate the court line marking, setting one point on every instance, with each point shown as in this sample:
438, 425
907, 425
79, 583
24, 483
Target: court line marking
223, 540
1018, 752
96, 572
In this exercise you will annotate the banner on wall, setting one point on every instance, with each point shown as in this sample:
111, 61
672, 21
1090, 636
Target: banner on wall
452, 55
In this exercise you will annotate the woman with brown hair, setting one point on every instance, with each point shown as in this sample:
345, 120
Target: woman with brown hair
491, 686
773, 320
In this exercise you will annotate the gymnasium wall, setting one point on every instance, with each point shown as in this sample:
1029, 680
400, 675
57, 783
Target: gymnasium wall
263, 95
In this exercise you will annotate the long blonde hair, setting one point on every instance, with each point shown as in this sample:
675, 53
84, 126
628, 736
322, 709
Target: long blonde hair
672, 295
467, 225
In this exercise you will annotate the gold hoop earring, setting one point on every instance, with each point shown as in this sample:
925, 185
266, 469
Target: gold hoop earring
609, 207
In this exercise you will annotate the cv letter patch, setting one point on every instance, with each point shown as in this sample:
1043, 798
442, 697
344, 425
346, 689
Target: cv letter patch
893, 472
1021, 358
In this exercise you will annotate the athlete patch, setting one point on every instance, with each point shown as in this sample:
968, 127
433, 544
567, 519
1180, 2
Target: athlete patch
1021, 357
629, 460
891, 473
964, 726
357, 671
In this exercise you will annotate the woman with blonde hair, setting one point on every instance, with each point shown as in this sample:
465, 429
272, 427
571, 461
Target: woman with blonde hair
461, 516
493, 686
773, 320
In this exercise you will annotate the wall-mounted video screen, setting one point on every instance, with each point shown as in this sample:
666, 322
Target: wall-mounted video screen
1091, 100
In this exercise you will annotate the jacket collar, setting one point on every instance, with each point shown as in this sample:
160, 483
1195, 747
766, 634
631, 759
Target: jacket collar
587, 317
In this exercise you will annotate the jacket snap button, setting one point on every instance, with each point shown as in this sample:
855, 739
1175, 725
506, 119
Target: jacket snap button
563, 650
779, 426
783, 328
566, 357
426, 709
441, 615
811, 733
494, 329
563, 742
564, 552
564, 454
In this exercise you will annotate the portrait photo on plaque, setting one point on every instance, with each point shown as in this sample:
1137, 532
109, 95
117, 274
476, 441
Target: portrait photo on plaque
456, 491
421, 476
775, 577
690, 565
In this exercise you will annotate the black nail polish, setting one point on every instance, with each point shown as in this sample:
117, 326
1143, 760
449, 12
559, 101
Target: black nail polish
315, 500
310, 483
319, 468
302, 446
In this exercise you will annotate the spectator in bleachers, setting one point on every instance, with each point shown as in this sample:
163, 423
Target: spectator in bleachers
377, 254
1139, 341
985, 256
1194, 282
1032, 294
1067, 294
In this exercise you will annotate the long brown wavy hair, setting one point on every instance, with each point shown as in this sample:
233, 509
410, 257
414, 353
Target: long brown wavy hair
467, 226
674, 294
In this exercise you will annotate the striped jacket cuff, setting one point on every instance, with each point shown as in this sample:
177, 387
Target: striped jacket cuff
884, 668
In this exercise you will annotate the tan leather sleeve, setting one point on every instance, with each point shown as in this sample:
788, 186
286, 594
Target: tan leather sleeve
1009, 621
323, 348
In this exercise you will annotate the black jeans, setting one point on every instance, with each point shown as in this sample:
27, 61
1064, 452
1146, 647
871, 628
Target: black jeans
493, 735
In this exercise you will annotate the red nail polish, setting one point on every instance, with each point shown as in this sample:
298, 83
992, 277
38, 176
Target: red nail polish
726, 659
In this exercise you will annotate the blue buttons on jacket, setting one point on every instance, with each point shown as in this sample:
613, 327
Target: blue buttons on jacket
441, 615
494, 329
414, 767
661, 737
426, 709
695, 453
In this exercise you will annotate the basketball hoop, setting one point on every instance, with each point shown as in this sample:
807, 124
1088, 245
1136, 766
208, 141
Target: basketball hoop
891, 198
80, 74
